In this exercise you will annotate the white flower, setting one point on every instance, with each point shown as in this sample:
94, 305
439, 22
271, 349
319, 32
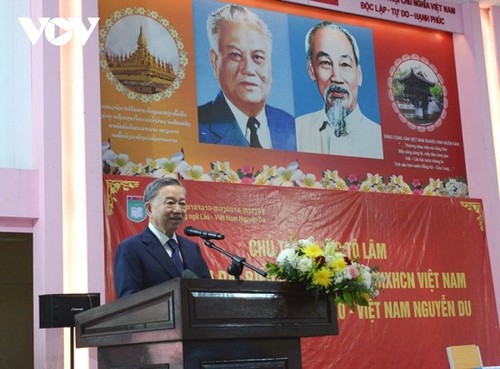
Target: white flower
152, 164
373, 183
332, 181
305, 264
339, 277
309, 181
287, 176
434, 188
455, 188
132, 169
286, 255
222, 172
196, 173
366, 277
261, 179
119, 161
107, 153
398, 185
171, 167
219, 166
232, 177
269, 172
306, 242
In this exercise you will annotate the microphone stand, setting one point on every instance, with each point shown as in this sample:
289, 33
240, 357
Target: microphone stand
236, 267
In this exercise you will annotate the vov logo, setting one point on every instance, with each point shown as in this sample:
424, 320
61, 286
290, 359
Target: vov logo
68, 26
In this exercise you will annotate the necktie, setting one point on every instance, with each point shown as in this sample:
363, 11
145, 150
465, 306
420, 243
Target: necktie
252, 125
176, 255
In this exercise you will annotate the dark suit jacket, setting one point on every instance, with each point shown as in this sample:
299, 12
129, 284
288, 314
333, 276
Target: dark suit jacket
217, 125
141, 262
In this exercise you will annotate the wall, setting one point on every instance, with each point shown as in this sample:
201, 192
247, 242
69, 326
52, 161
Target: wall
15, 94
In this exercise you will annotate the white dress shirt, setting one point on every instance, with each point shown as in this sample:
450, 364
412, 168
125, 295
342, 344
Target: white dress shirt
163, 238
263, 131
363, 139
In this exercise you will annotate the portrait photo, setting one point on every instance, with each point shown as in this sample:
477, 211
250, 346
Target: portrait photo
243, 77
335, 89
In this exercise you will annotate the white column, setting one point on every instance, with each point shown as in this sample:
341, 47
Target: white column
478, 130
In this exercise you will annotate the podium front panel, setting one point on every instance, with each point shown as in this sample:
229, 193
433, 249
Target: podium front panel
259, 309
201, 309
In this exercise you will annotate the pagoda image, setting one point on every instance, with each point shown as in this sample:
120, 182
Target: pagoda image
417, 94
141, 71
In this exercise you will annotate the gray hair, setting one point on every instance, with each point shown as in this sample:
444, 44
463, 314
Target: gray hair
335, 27
154, 187
236, 14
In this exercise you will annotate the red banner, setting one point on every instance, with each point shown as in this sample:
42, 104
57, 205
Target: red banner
432, 251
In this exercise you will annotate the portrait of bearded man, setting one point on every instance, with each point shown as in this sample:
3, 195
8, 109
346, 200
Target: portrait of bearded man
339, 128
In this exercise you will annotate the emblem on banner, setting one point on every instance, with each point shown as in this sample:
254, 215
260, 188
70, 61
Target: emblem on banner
135, 209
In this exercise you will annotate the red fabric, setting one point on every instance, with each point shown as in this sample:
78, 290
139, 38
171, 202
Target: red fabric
433, 250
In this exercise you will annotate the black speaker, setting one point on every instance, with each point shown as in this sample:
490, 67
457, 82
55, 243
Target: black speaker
59, 310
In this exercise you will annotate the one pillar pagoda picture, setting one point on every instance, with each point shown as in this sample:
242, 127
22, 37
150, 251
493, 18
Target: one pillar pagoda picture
418, 92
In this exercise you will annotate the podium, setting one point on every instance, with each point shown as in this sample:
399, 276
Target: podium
206, 324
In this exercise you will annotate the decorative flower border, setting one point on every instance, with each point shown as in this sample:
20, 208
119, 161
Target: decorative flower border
183, 59
291, 176
429, 127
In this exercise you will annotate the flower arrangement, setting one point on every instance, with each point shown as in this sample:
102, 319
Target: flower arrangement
327, 270
272, 175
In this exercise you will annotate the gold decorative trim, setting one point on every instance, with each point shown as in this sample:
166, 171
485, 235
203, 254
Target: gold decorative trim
475, 206
112, 188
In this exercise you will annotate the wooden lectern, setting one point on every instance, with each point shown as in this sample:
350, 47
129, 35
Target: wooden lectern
206, 324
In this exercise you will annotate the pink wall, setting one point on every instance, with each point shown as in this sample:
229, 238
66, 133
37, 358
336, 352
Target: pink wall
18, 194
478, 130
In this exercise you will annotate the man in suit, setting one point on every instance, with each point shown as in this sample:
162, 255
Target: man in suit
158, 253
240, 56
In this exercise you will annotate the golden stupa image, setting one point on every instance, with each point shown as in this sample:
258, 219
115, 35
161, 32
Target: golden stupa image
141, 71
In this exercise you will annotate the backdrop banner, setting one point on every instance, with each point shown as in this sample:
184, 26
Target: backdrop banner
432, 251
163, 110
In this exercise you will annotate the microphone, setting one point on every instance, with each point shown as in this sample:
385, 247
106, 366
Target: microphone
190, 231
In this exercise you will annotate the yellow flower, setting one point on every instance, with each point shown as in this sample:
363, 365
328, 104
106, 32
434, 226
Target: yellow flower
313, 251
323, 278
338, 264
